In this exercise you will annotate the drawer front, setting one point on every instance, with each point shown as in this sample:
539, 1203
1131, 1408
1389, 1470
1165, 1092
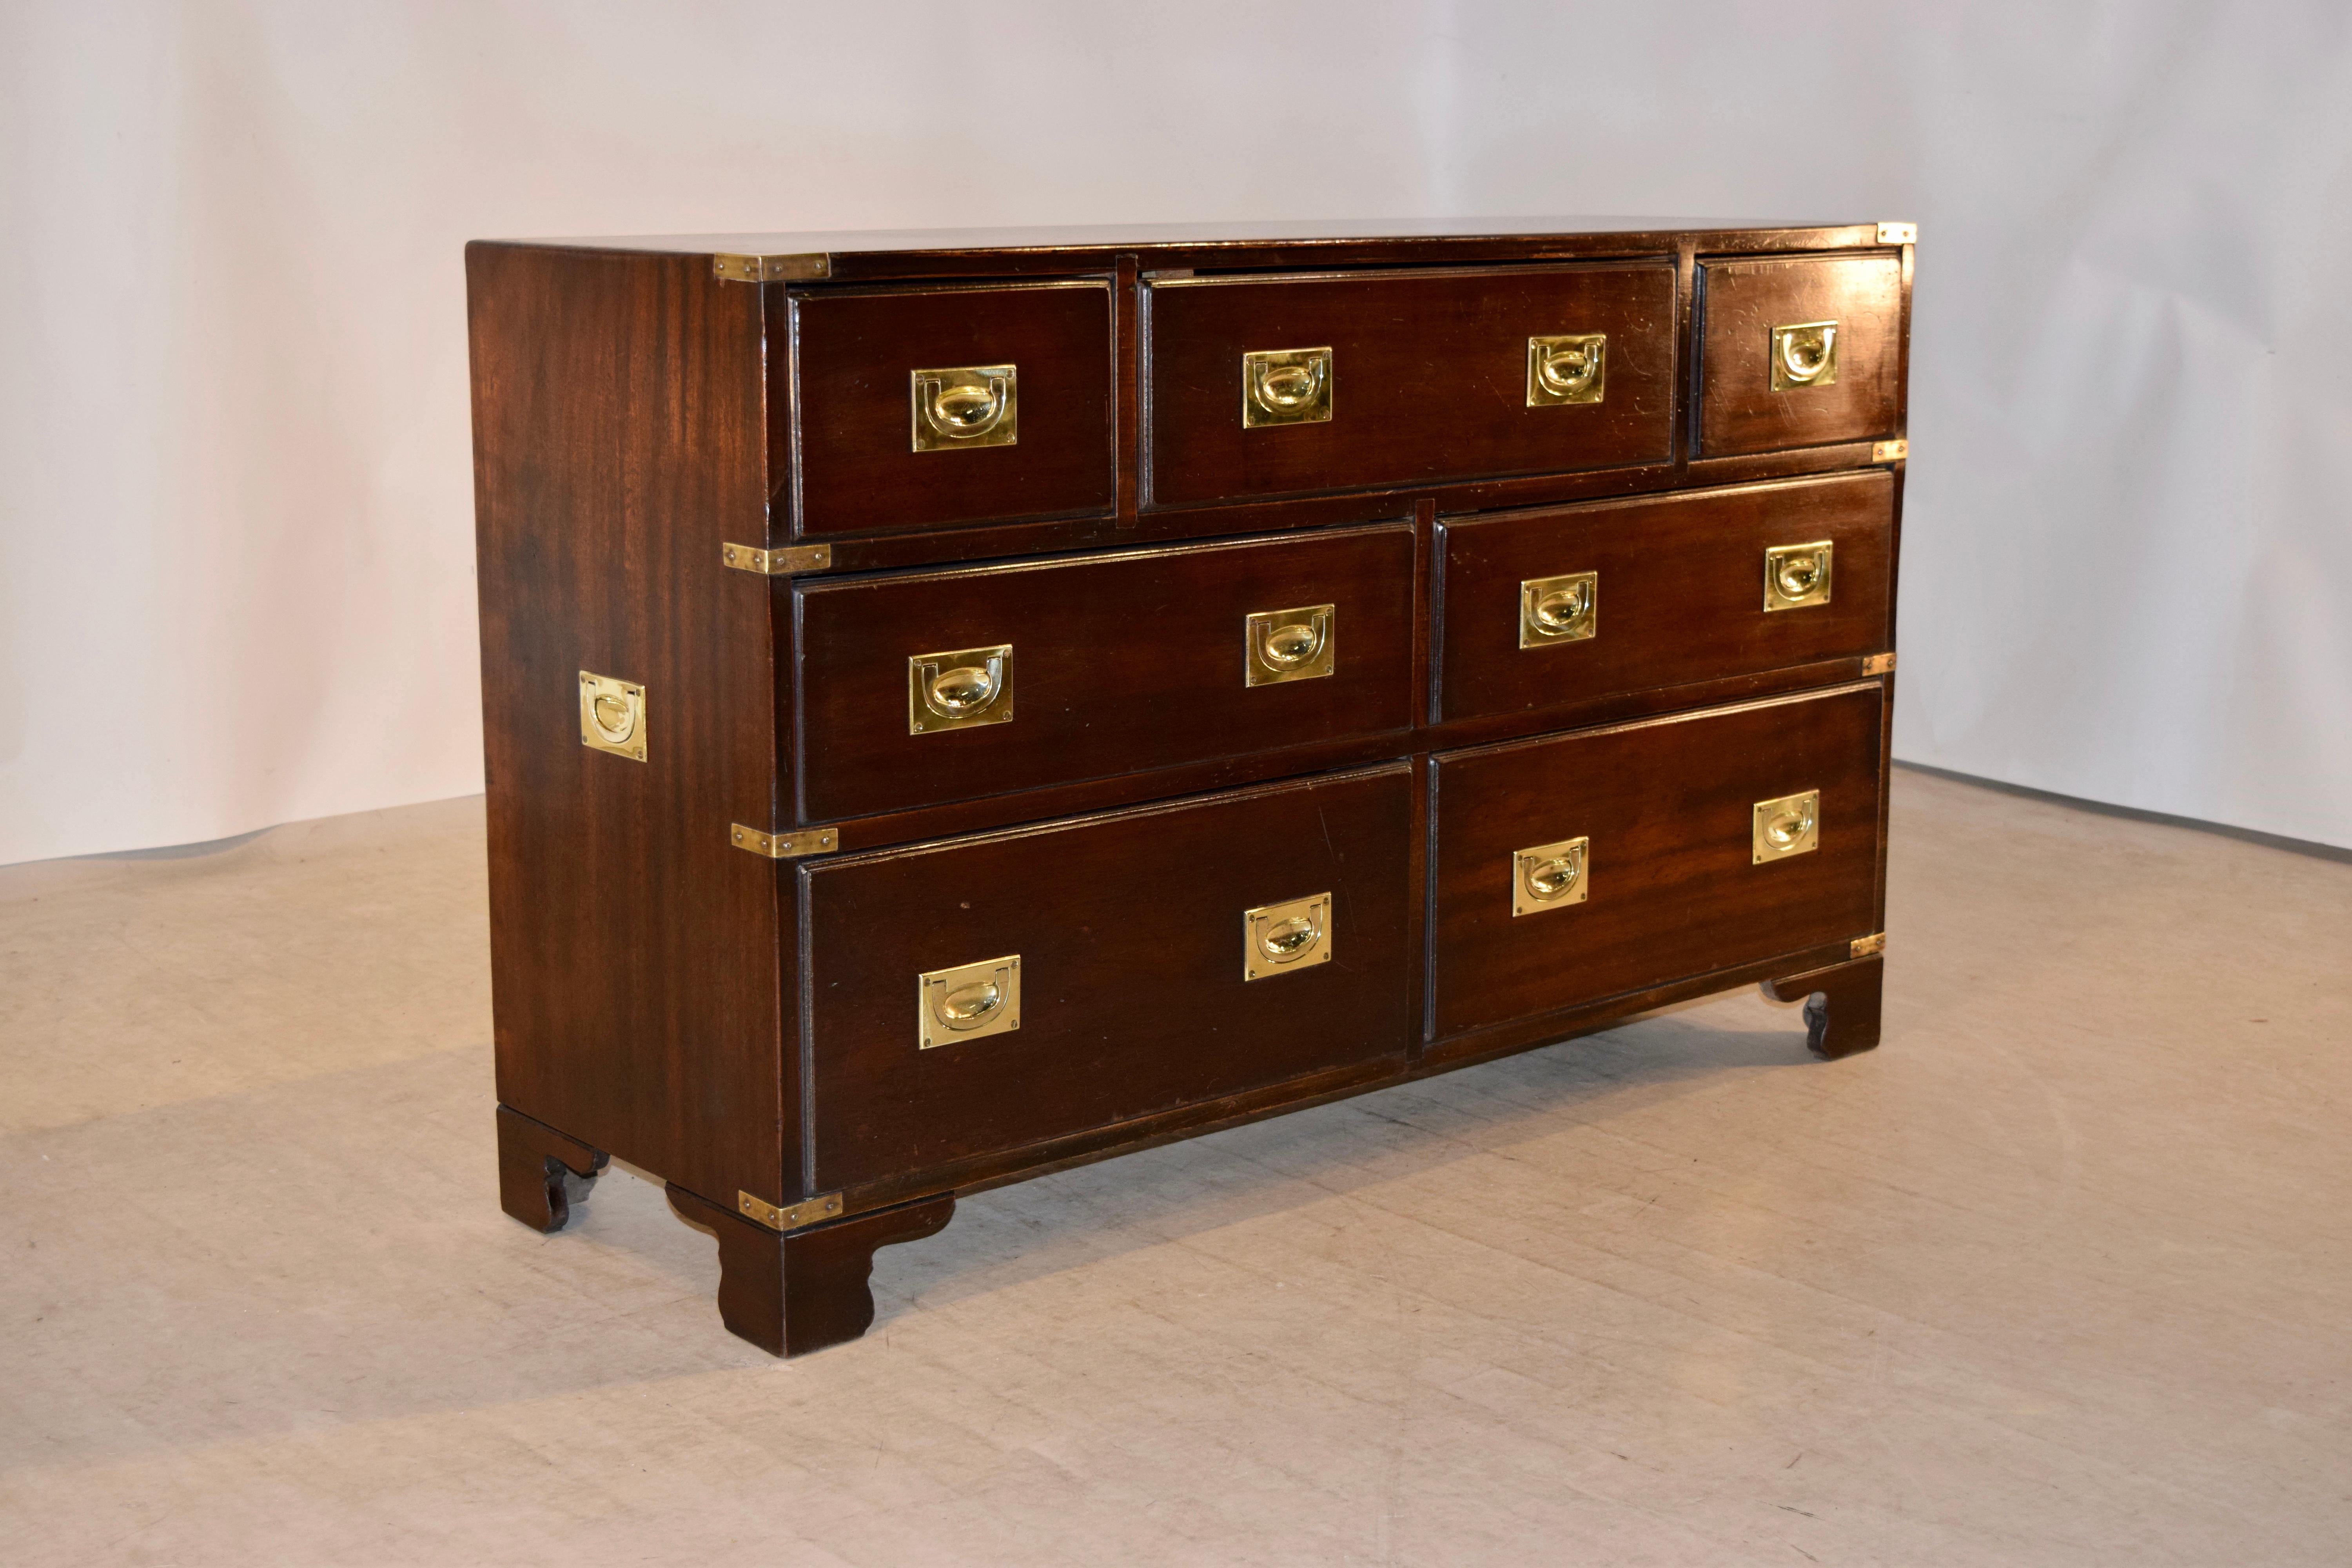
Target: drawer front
1428, 378
1114, 664
1799, 351
1130, 997
1553, 607
1668, 883
944, 405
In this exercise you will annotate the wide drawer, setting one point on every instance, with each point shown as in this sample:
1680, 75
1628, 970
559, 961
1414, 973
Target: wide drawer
944, 405
1405, 377
1596, 864
939, 686
1553, 607
985, 993
1799, 351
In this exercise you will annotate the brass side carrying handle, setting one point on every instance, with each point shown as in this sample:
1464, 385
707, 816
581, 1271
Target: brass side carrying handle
958, 688
1566, 369
1286, 386
1804, 353
971, 406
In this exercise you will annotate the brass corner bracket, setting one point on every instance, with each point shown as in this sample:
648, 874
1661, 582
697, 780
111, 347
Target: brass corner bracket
782, 846
781, 562
760, 1211
730, 268
1863, 946
1895, 452
1898, 234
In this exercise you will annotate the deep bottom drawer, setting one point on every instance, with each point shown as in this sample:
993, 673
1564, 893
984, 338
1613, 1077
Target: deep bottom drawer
1685, 867
1087, 972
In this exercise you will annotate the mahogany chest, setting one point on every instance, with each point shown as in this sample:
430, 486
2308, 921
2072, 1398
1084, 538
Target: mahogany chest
959, 705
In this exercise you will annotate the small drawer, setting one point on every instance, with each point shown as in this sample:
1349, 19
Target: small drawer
1591, 865
981, 994
946, 406
1799, 351
1263, 387
1547, 608
938, 686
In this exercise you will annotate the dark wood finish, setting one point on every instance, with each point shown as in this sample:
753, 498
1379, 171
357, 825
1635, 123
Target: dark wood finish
1121, 663
1429, 377
853, 353
1673, 890
541, 1173
635, 956
1681, 591
1130, 930
809, 1290
1841, 1004
740, 1026
1739, 303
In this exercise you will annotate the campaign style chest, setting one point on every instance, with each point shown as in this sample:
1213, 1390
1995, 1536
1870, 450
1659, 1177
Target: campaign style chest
960, 705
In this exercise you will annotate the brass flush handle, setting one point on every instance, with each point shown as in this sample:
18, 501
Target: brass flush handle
954, 690
1789, 825
613, 715
971, 405
1288, 645
1549, 875
1277, 937
1566, 369
1560, 609
1804, 354
1286, 386
1797, 576
968, 1002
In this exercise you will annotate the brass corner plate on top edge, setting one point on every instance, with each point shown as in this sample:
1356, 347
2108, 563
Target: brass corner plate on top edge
1572, 368
613, 715
1551, 876
1296, 934
1788, 825
791, 1216
968, 1002
1898, 234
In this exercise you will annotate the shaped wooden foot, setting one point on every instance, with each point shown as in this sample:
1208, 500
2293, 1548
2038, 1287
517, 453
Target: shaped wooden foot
541, 1173
797, 1293
1841, 1004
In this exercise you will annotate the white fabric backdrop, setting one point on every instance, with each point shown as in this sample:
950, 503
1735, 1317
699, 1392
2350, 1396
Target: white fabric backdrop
235, 548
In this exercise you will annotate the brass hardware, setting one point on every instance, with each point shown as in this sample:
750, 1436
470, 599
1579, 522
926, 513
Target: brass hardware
779, 563
1863, 946
1286, 386
1551, 876
1804, 354
1294, 935
975, 406
1895, 451
613, 715
958, 689
1570, 369
1878, 664
1789, 825
969, 1002
1560, 609
784, 846
1289, 645
1797, 576
769, 268
1898, 234
760, 1211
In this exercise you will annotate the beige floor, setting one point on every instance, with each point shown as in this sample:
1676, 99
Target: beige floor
2058, 1275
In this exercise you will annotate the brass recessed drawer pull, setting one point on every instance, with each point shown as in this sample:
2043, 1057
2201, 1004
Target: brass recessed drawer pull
1797, 576
1551, 876
972, 406
969, 1002
1286, 386
957, 690
1294, 935
1289, 645
1789, 825
1804, 354
1560, 609
1568, 369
